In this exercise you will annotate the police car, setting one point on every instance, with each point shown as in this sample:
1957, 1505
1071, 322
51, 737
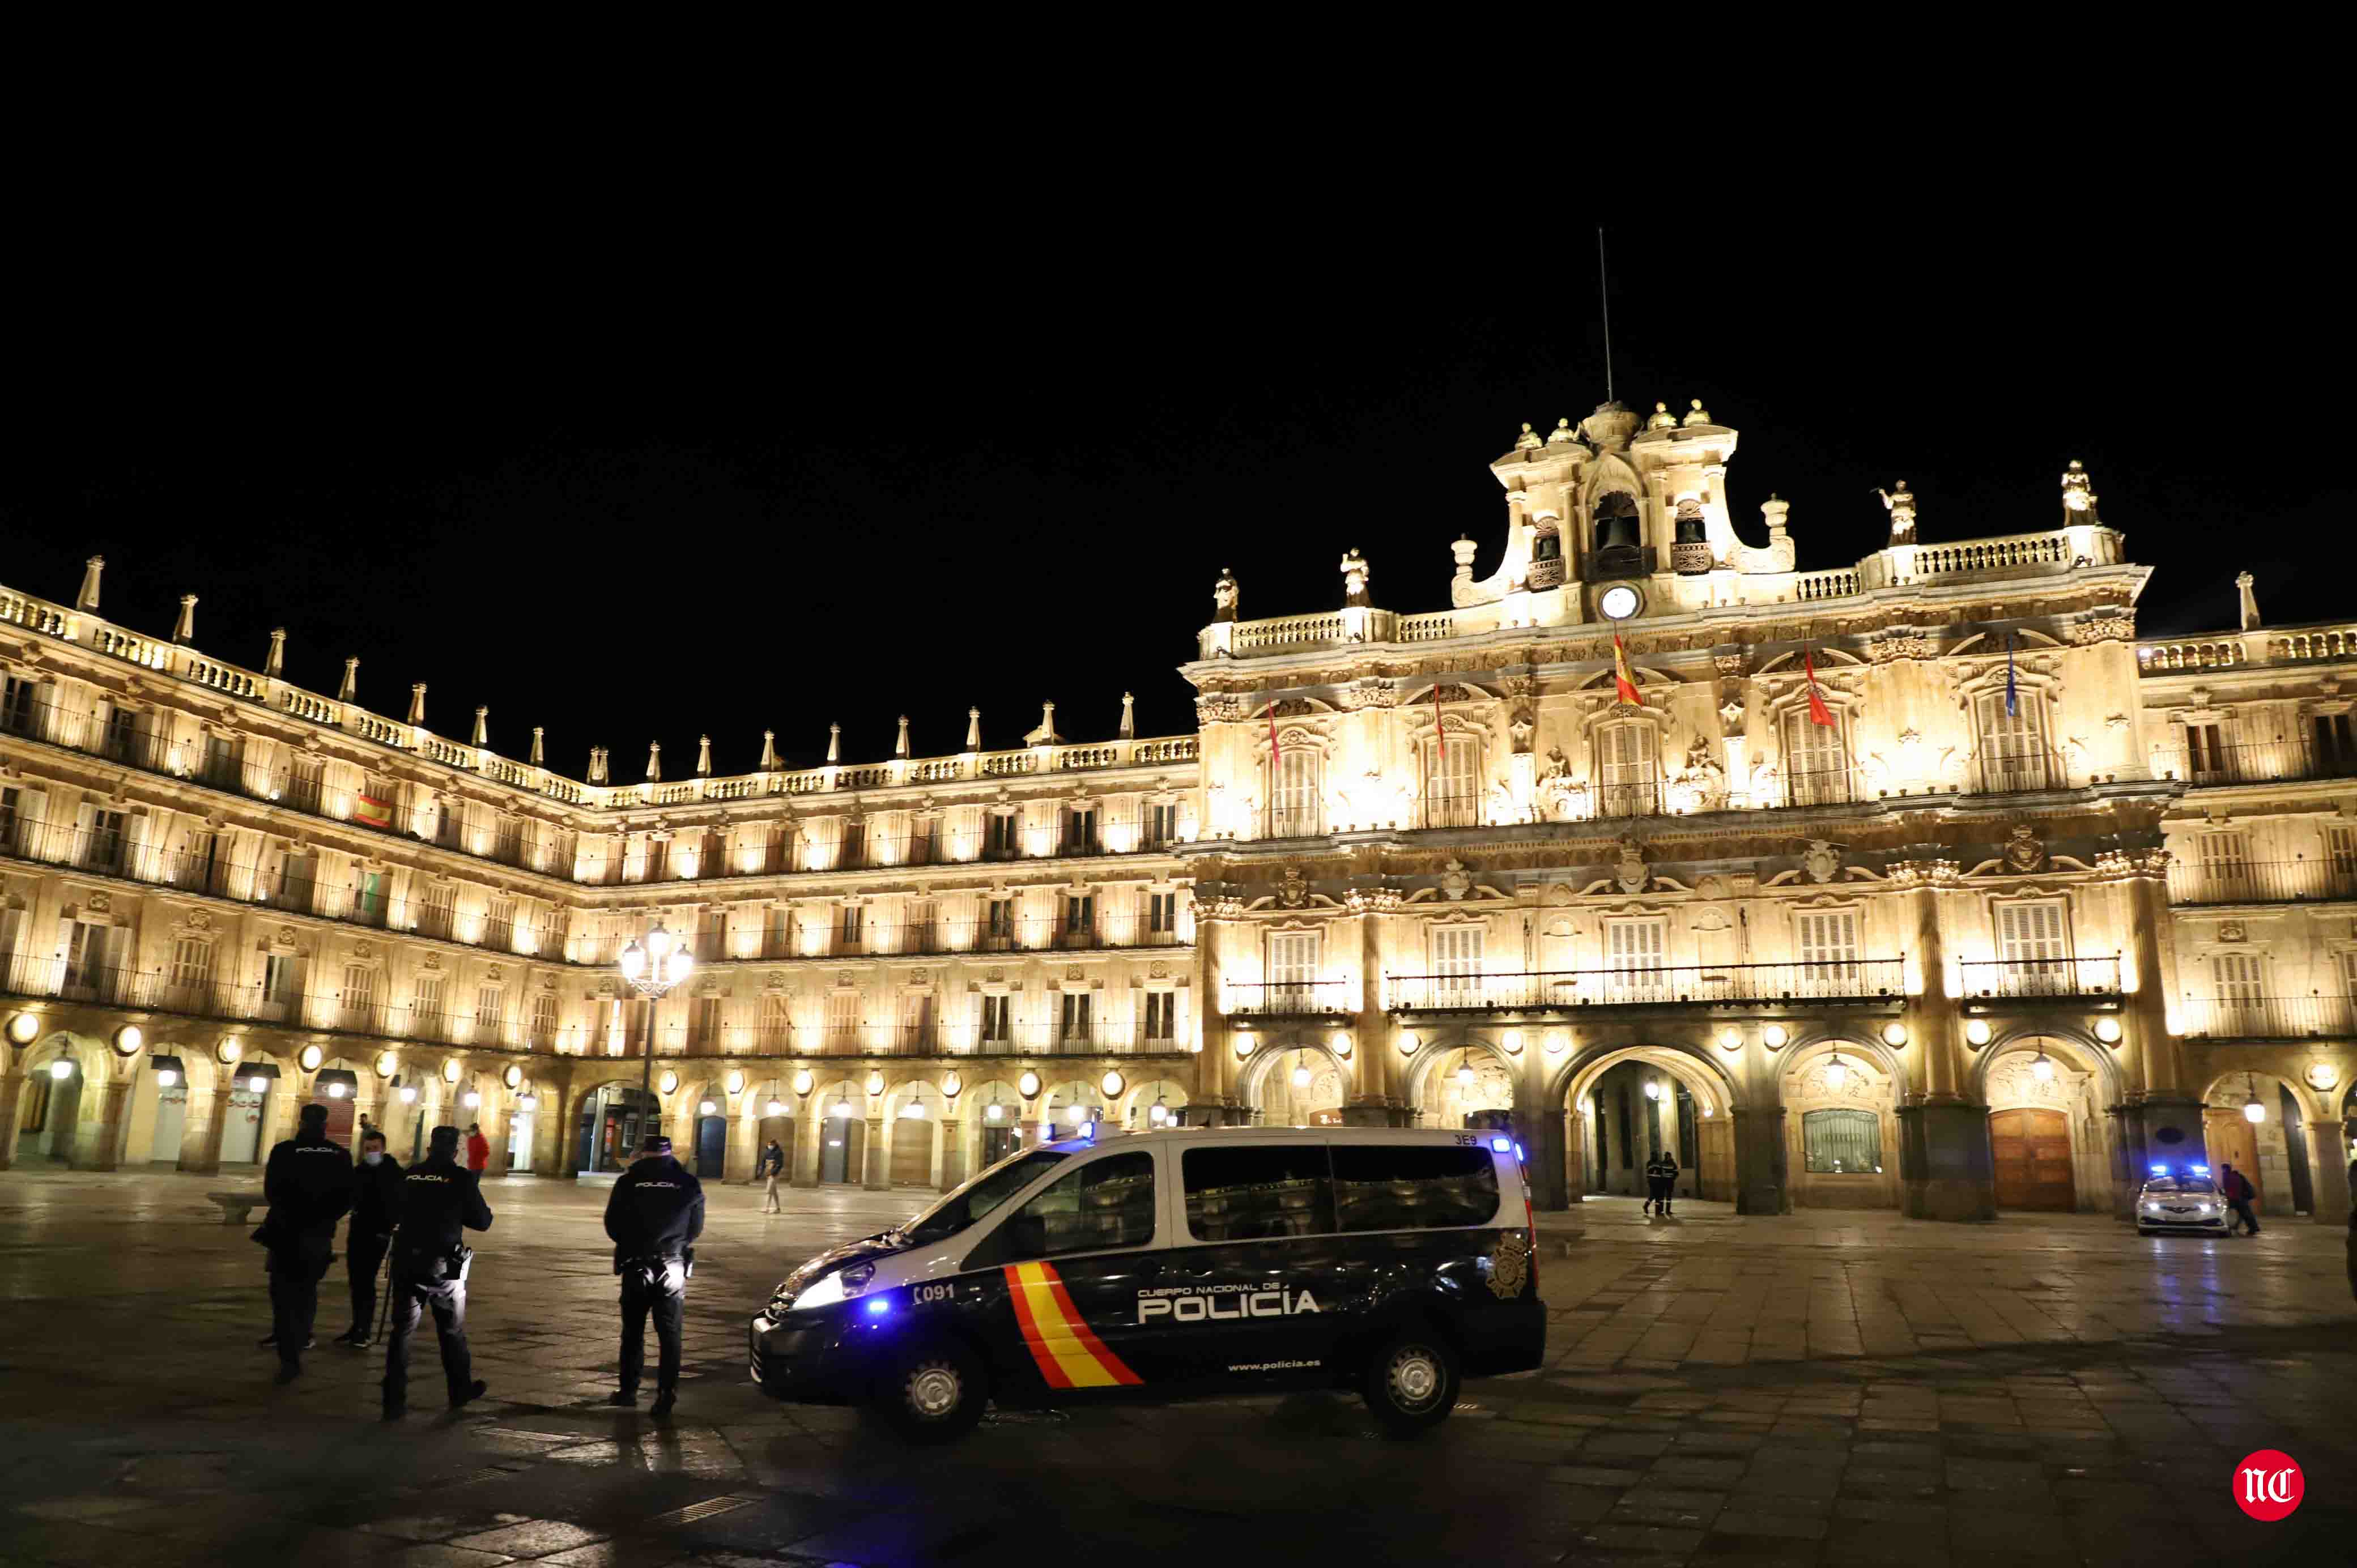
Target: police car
2182, 1200
1178, 1263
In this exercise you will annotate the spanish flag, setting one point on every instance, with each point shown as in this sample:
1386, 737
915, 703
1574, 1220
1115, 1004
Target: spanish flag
1621, 682
1818, 713
1067, 1354
372, 812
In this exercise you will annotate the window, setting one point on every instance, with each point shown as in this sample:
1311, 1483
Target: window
425, 1007
543, 1018
2013, 745
2340, 860
1080, 916
122, 727
778, 942
1829, 950
508, 845
1256, 1190
2240, 979
1628, 775
704, 1022
304, 779
8, 819
2336, 744
2031, 940
998, 922
2226, 870
917, 1020
854, 843
105, 846
434, 915
445, 826
359, 996
1075, 1017
995, 1028
1293, 970
490, 1003
1841, 1141
1816, 767
1162, 913
1161, 825
2206, 760
1633, 952
1296, 795
220, 762
842, 1019
371, 898
1081, 831
1413, 1187
851, 927
998, 838
15, 705
192, 969
1452, 786
1161, 1014
499, 925
282, 979
1106, 1203
1457, 959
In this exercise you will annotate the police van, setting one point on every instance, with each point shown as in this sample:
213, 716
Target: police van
1170, 1263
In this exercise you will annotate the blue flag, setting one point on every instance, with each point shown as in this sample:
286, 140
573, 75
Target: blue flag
2012, 697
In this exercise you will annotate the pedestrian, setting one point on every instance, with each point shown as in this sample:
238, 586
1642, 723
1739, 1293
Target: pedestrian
478, 1149
376, 1211
654, 1215
2239, 1193
770, 1167
309, 1185
440, 1201
1661, 1180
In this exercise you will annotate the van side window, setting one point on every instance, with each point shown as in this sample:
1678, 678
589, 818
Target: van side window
1252, 1191
1105, 1203
1413, 1187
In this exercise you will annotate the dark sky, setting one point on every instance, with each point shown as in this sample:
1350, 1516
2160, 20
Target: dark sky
854, 466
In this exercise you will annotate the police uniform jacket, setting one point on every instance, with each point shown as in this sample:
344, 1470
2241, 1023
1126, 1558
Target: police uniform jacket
440, 1200
309, 1185
656, 1210
1663, 1166
376, 1197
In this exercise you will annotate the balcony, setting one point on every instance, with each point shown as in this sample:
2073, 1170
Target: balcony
1290, 999
945, 938
2261, 881
2040, 979
2285, 760
1701, 985
2265, 1017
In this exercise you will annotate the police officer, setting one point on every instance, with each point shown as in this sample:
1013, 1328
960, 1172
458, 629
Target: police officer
376, 1209
1661, 1180
440, 1201
309, 1185
654, 1216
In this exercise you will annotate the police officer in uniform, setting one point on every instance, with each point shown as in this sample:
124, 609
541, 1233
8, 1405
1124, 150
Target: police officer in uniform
1661, 1180
309, 1185
440, 1201
376, 1211
654, 1216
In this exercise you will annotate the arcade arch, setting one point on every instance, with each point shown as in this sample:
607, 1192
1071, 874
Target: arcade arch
916, 1114
2274, 1151
1137, 1105
1841, 1101
1449, 1081
1612, 1125
2051, 1145
1296, 1083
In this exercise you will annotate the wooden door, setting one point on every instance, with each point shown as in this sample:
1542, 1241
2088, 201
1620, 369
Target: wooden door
2232, 1141
1715, 1177
912, 1152
2032, 1150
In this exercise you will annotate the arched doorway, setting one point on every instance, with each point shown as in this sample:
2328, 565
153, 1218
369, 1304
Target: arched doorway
843, 1134
1163, 1095
613, 1118
2049, 1141
1068, 1107
1841, 1149
1298, 1085
775, 1122
2271, 1148
253, 1084
160, 1124
1462, 1083
913, 1115
48, 1114
1621, 1103
998, 1115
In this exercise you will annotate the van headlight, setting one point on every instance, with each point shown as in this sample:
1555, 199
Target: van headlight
839, 1286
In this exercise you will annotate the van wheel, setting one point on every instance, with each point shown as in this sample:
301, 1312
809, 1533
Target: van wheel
1410, 1384
936, 1394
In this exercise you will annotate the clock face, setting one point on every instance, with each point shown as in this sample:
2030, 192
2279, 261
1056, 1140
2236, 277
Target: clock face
1617, 603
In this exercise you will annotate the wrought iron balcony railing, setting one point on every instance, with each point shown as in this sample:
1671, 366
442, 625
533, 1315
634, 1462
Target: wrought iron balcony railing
2261, 881
2265, 1017
1289, 998
2285, 760
1701, 985
2030, 978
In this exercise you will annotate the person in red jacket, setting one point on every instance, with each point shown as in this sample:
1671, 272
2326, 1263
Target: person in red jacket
2236, 1188
478, 1149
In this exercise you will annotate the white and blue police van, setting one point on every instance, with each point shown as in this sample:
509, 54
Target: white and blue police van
1174, 1263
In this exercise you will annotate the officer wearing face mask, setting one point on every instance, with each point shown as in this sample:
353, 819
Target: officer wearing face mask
440, 1201
376, 1209
654, 1216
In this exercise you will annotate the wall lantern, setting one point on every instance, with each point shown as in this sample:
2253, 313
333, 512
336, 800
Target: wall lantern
1653, 1089
736, 1081
1407, 1042
669, 1082
1112, 1084
514, 1077
1555, 1042
952, 1084
169, 1072
1513, 1042
1773, 1037
708, 1108
229, 1049
385, 1062
130, 1039
1976, 1031
309, 1058
2041, 1067
802, 1082
1340, 1045
1894, 1034
1730, 1040
22, 1027
2108, 1031
2322, 1075
450, 1070
1028, 1084
875, 1083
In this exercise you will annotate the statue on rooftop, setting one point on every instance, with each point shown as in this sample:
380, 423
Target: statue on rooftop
1901, 505
1224, 595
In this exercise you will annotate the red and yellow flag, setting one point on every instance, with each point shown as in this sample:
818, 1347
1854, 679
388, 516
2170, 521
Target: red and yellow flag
1818, 713
372, 812
1068, 1355
1621, 682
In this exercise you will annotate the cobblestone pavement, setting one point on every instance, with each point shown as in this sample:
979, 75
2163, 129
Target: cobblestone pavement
1835, 1388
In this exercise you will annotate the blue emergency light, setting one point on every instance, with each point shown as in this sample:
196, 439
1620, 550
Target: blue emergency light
877, 1307
1502, 1145
2161, 1170
2198, 1170
1518, 1151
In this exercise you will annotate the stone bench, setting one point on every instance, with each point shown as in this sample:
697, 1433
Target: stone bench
236, 1206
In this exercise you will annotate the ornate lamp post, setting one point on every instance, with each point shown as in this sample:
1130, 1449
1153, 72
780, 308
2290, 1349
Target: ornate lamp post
653, 972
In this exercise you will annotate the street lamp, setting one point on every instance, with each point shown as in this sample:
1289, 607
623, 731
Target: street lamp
655, 971
2252, 1111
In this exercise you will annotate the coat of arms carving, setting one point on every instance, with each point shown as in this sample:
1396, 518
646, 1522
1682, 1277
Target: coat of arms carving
1822, 861
2025, 851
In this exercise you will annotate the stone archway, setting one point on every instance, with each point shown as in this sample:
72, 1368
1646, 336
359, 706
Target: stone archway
2275, 1150
2051, 1145
1841, 1102
1296, 1083
1456, 1083
1610, 1125
916, 1111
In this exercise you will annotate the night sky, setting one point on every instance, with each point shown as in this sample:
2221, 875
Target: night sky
691, 487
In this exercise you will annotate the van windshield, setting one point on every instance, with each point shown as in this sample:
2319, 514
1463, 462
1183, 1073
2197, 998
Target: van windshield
963, 1205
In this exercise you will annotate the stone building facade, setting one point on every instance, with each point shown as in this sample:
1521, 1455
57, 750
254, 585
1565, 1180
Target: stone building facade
1921, 883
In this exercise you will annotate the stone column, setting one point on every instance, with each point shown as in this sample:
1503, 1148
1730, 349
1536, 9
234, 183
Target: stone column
954, 1154
1759, 1185
495, 1132
2328, 1171
1945, 1166
105, 1155
12, 1091
810, 1138
875, 1158
205, 1108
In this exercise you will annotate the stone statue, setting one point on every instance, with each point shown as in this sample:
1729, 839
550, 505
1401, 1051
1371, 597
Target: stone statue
2078, 501
1696, 414
1705, 775
1224, 595
1354, 578
1662, 419
1528, 441
1563, 435
1521, 727
1901, 505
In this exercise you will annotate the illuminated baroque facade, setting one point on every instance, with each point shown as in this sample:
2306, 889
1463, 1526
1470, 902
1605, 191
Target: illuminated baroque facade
1921, 882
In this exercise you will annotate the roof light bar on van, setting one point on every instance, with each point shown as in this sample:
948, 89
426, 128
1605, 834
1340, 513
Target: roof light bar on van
2161, 1170
1501, 1145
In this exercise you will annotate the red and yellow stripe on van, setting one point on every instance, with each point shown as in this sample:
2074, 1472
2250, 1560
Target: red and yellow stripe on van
1070, 1357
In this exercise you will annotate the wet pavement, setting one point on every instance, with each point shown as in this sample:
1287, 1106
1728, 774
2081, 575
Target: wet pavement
1825, 1388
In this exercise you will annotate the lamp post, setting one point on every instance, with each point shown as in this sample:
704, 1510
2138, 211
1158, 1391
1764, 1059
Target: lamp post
653, 972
